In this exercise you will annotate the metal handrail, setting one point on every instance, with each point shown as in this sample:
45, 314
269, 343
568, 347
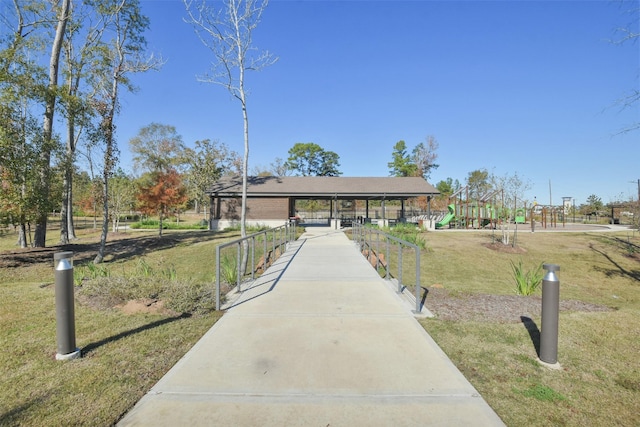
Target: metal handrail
364, 237
280, 236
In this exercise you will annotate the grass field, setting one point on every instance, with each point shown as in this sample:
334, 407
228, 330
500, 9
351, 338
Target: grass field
599, 379
125, 354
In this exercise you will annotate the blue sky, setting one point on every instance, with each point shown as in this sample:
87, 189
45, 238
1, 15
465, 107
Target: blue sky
509, 86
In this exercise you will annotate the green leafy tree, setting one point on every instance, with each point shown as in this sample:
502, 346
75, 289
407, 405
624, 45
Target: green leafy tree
594, 204
19, 174
25, 87
206, 164
158, 147
81, 46
447, 187
420, 162
402, 163
478, 183
123, 55
62, 12
309, 159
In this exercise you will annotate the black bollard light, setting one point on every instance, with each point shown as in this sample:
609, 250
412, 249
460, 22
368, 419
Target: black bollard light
65, 311
550, 315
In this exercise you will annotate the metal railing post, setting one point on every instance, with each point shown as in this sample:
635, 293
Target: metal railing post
388, 258
273, 243
264, 254
418, 310
218, 278
239, 265
400, 267
253, 257
377, 250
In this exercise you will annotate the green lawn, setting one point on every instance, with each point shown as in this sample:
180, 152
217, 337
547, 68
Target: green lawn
599, 383
125, 354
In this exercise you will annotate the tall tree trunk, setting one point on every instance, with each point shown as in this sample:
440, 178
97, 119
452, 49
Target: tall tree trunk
105, 219
245, 173
70, 222
64, 226
22, 234
109, 161
67, 229
109, 164
50, 106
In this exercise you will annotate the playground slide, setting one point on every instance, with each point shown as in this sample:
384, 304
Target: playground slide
447, 218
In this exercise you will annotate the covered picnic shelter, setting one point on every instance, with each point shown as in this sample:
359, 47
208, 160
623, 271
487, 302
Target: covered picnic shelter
272, 200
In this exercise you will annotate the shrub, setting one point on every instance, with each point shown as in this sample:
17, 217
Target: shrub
527, 282
409, 233
181, 296
189, 297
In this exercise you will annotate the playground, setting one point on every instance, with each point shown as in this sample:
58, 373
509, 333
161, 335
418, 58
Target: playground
491, 212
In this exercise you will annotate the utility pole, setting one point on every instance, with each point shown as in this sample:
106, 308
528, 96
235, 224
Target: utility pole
631, 182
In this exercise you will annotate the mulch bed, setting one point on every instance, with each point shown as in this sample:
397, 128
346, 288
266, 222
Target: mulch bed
495, 308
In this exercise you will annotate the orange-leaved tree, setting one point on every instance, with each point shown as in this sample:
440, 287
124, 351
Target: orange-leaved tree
163, 193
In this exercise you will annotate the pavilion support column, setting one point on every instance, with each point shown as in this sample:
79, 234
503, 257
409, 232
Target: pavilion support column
384, 213
292, 207
334, 213
402, 208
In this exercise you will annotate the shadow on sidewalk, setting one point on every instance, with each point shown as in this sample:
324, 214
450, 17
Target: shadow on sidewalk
270, 277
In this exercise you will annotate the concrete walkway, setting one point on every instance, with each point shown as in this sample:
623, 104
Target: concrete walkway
318, 340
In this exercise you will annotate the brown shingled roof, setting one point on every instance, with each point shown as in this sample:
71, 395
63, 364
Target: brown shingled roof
321, 187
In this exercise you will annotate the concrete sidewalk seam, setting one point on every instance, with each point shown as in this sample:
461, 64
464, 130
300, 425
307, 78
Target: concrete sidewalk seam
318, 315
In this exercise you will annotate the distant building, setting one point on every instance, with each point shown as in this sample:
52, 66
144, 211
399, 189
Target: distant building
272, 200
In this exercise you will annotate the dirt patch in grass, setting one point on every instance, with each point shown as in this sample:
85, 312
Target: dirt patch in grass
495, 308
146, 305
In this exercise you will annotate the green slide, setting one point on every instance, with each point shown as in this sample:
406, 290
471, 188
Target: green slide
447, 218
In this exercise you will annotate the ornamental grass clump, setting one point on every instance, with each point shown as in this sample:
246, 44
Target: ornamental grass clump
229, 269
527, 282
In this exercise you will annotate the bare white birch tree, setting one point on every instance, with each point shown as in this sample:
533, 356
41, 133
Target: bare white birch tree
228, 32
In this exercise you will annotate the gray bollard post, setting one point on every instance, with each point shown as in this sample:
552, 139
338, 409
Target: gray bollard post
65, 311
550, 309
